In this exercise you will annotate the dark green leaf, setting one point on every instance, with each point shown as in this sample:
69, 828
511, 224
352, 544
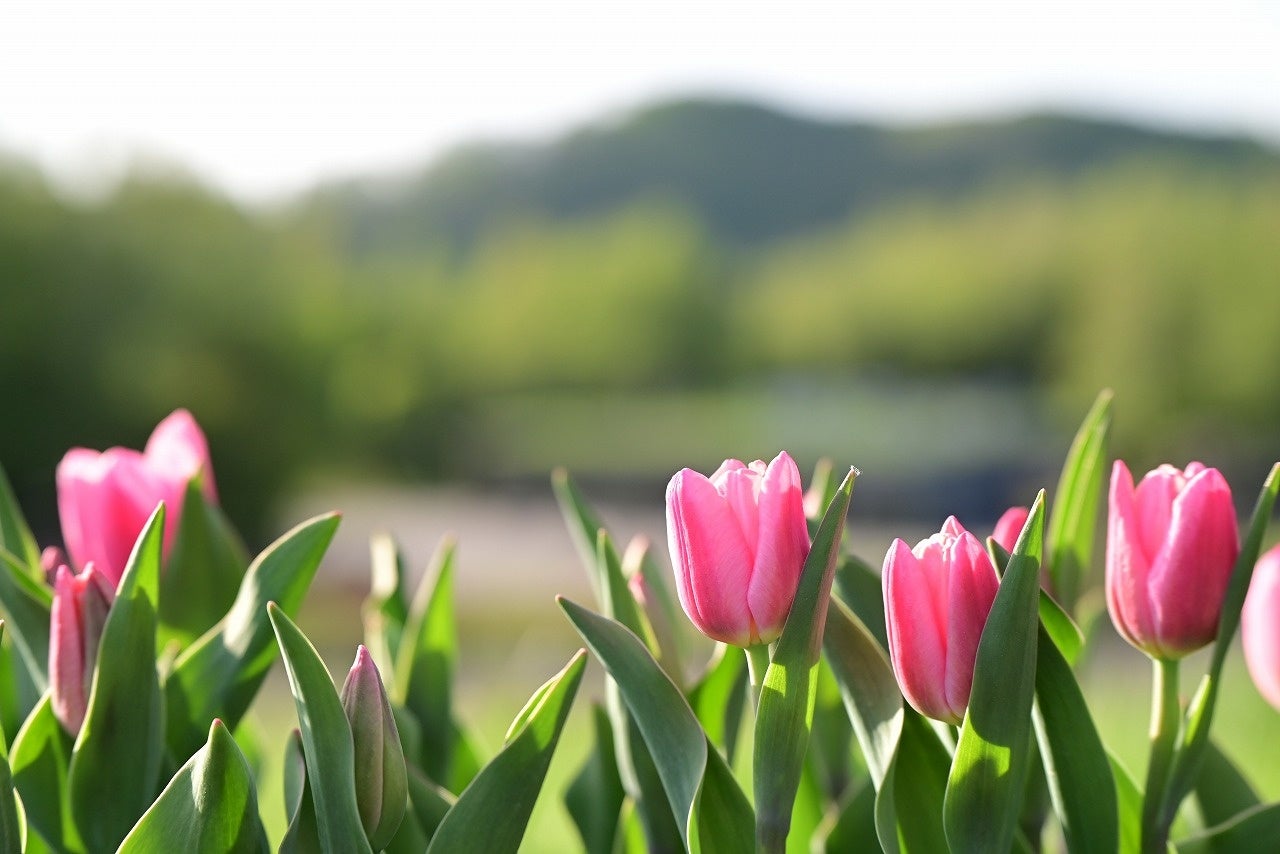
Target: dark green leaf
302, 835
720, 697
1069, 541
909, 805
583, 523
1199, 717
15, 535
1062, 630
39, 759
850, 825
492, 813
209, 805
989, 771
859, 586
1221, 789
831, 739
326, 740
594, 798
788, 693
203, 572
25, 605
115, 765
425, 664
617, 600
1075, 762
1254, 831
428, 802
219, 675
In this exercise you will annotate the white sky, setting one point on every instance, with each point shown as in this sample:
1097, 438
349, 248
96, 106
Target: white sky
265, 97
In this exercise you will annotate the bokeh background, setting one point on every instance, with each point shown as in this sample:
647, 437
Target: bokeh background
404, 259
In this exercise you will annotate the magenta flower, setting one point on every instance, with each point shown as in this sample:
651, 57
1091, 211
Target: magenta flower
936, 600
738, 542
1171, 544
1009, 526
1260, 627
79, 613
105, 499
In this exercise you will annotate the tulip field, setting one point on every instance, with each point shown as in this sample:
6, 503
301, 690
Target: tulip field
762, 686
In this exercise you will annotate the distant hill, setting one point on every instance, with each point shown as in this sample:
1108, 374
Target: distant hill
752, 173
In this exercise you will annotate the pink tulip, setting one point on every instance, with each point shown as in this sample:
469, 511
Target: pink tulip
1009, 526
79, 613
936, 600
738, 541
105, 499
1260, 627
1171, 544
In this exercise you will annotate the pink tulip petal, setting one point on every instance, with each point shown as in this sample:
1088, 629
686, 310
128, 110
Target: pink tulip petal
712, 561
971, 590
916, 620
1127, 566
1153, 501
781, 546
177, 451
1009, 527
1260, 627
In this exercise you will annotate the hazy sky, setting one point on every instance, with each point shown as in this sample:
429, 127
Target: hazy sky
265, 97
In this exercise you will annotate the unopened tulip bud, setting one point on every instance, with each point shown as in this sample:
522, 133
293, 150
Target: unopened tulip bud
936, 600
1171, 545
1260, 627
1009, 526
738, 541
382, 782
105, 499
79, 613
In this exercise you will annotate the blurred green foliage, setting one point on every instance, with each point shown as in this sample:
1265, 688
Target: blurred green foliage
302, 344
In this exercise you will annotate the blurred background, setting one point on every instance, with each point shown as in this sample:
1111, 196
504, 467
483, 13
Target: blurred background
403, 259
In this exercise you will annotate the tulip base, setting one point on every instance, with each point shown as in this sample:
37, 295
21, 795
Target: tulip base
757, 666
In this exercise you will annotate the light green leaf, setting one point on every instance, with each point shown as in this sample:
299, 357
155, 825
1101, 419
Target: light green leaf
1253, 831
681, 753
115, 765
302, 835
909, 805
209, 805
39, 759
203, 572
15, 535
25, 605
720, 697
425, 664
594, 798
1063, 631
219, 675
492, 813
583, 523
1199, 717
989, 771
1069, 542
788, 693
1128, 807
326, 740
386, 610
12, 827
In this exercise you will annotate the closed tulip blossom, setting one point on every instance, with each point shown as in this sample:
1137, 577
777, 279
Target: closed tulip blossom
1260, 627
738, 541
105, 499
76, 620
936, 599
1171, 544
1009, 526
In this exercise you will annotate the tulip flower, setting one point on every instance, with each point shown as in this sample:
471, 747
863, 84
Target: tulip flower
936, 600
382, 782
78, 615
1009, 526
105, 499
738, 541
1260, 627
1171, 545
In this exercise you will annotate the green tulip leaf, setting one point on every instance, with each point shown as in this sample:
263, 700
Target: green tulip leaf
909, 805
203, 572
39, 759
1128, 806
429, 803
850, 824
326, 739
1076, 767
492, 813
720, 697
25, 605
386, 610
425, 664
1253, 831
859, 586
1062, 630
594, 798
583, 523
1222, 791
15, 535
1190, 754
219, 675
115, 764
301, 836
688, 765
788, 693
209, 805
1069, 540
992, 760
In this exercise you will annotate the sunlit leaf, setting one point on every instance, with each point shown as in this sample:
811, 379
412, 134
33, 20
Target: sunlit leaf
1069, 540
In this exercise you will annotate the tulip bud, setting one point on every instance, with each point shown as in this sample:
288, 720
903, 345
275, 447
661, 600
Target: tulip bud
79, 613
382, 781
1171, 545
105, 499
1009, 526
738, 541
936, 600
1260, 627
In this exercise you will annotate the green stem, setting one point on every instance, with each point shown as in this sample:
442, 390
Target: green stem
1165, 716
757, 665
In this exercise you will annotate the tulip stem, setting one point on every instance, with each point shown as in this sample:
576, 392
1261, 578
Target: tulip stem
757, 665
1165, 716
